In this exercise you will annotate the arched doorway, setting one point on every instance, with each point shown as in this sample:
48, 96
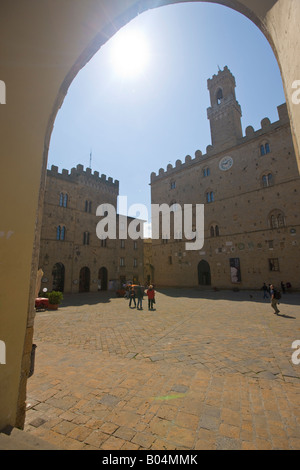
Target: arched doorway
84, 280
102, 279
204, 275
58, 273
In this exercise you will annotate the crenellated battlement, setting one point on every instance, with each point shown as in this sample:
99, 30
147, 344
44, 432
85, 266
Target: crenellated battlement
250, 133
84, 176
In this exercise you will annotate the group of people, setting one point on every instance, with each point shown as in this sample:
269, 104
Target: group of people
266, 289
137, 292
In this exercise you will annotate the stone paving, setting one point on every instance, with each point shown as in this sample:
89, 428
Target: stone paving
205, 370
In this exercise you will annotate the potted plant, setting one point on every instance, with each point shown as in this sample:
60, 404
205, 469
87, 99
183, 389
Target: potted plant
55, 298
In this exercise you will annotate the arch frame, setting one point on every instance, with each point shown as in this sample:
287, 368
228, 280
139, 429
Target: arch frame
30, 111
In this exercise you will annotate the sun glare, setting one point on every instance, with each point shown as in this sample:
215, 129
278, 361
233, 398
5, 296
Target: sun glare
130, 53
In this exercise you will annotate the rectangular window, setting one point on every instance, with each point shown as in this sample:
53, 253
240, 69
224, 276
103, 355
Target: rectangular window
88, 206
170, 260
86, 238
122, 243
273, 264
173, 184
103, 243
235, 270
135, 263
135, 245
122, 262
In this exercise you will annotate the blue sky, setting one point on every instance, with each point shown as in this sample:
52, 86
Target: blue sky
139, 124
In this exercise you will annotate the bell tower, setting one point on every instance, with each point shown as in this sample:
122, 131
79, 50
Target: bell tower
225, 112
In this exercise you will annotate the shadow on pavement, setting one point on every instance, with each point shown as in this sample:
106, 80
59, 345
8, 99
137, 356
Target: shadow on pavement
87, 298
291, 298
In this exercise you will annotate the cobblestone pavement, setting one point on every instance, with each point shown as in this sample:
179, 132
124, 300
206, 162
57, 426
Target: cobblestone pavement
205, 370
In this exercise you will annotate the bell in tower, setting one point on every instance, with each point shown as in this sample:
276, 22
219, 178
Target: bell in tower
225, 112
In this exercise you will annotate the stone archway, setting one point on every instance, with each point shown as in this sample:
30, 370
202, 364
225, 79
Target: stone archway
103, 279
58, 274
84, 279
204, 274
37, 80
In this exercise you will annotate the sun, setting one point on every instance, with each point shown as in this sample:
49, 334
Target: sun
130, 53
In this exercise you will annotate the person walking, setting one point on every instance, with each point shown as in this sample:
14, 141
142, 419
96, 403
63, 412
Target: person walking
140, 295
132, 297
151, 297
274, 301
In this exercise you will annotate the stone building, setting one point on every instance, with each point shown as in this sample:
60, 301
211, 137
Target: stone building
148, 263
249, 185
72, 256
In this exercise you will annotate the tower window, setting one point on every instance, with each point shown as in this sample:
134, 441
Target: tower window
219, 96
206, 172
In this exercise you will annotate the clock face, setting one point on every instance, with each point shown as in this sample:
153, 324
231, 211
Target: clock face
225, 163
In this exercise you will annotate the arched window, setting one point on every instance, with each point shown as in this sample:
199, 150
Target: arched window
267, 180
60, 233
219, 96
265, 148
63, 200
206, 172
210, 197
214, 231
277, 219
